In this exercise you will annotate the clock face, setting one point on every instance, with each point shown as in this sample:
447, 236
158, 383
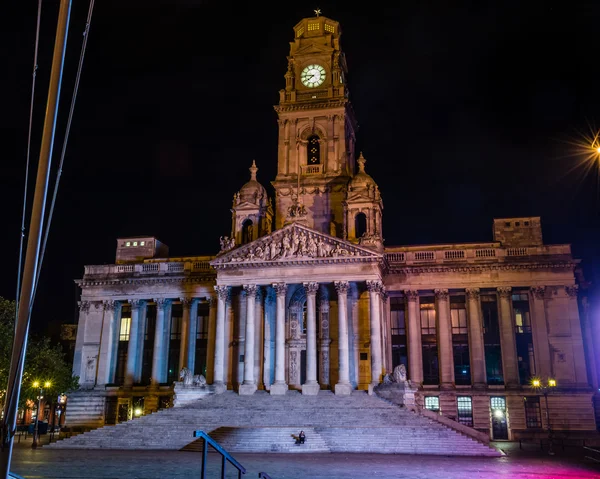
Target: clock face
313, 76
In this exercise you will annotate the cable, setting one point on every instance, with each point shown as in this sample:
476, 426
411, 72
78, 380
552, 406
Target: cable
22, 233
64, 147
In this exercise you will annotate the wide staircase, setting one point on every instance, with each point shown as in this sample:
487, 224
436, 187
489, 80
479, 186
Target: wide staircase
265, 423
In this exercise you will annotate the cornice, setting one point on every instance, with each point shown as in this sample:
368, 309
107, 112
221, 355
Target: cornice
86, 283
570, 265
311, 105
298, 262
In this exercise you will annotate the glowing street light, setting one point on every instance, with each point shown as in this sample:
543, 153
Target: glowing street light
545, 388
36, 435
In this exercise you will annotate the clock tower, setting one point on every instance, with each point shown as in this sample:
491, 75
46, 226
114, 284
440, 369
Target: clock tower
316, 130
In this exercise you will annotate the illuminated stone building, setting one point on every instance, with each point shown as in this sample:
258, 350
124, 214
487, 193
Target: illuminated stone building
304, 295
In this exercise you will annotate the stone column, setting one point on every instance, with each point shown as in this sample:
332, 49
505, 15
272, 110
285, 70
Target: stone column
192, 333
325, 340
476, 348
508, 343
539, 332
158, 353
115, 342
415, 348
219, 380
210, 350
374, 288
343, 386
141, 339
311, 386
185, 331
268, 337
258, 335
107, 343
446, 357
280, 387
249, 385
132, 347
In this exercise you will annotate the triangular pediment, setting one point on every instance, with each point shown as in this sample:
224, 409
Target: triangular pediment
246, 205
358, 197
313, 49
295, 244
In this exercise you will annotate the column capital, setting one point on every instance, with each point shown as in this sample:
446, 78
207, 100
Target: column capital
411, 294
212, 301
538, 292
161, 302
572, 290
341, 287
504, 291
250, 289
135, 303
186, 302
222, 292
84, 306
109, 304
311, 287
374, 286
280, 289
472, 293
259, 293
441, 294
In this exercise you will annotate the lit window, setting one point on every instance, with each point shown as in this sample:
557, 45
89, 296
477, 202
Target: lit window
432, 403
128, 243
142, 243
329, 28
300, 32
124, 332
135, 243
465, 410
313, 26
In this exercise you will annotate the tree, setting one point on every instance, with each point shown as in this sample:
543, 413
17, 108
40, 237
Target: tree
44, 361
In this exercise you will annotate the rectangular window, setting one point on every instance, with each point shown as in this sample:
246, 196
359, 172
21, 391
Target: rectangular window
432, 403
431, 367
523, 336
428, 318
175, 327
465, 410
458, 314
462, 364
124, 331
398, 332
491, 339
202, 324
533, 415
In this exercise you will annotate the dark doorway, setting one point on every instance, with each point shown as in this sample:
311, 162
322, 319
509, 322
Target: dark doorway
302, 366
247, 231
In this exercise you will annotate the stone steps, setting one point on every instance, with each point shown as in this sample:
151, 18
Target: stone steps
265, 423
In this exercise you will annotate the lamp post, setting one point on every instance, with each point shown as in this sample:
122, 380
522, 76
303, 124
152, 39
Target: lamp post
545, 388
36, 435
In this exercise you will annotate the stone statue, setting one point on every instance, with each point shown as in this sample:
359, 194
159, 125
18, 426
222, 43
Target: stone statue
400, 374
191, 379
226, 243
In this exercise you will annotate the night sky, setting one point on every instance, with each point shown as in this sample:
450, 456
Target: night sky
465, 112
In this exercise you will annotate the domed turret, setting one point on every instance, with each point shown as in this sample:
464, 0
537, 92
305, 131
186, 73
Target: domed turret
252, 213
362, 182
253, 191
363, 209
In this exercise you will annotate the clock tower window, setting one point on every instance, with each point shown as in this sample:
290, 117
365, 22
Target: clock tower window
360, 225
247, 231
313, 151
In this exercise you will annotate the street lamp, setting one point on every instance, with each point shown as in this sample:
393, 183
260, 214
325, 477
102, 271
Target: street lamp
36, 435
538, 385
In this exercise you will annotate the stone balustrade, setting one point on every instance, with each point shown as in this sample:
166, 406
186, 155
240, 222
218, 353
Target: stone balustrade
472, 254
196, 265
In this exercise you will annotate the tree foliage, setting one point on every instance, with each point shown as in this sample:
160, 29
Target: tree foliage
44, 361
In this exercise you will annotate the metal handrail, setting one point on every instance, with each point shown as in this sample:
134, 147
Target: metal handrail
263, 475
224, 455
589, 457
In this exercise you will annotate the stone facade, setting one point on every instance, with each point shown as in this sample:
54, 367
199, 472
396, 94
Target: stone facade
303, 294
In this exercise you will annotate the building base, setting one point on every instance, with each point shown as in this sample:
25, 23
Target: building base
219, 387
311, 389
278, 389
343, 389
247, 389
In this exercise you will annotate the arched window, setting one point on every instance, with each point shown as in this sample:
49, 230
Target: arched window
360, 225
247, 231
313, 151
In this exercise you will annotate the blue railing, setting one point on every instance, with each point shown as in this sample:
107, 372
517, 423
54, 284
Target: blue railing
263, 475
225, 456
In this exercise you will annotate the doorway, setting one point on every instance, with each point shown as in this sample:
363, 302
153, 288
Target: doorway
499, 418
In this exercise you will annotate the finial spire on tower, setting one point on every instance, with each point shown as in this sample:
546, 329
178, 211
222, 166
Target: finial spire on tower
317, 11
361, 163
253, 169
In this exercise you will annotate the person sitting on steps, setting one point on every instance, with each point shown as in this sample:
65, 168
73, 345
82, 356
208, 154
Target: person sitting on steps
301, 438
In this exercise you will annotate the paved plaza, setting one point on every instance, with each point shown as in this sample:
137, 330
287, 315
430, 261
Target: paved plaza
114, 464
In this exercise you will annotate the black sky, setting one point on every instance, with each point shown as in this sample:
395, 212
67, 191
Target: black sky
464, 114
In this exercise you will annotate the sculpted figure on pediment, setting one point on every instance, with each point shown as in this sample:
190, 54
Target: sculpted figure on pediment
294, 243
